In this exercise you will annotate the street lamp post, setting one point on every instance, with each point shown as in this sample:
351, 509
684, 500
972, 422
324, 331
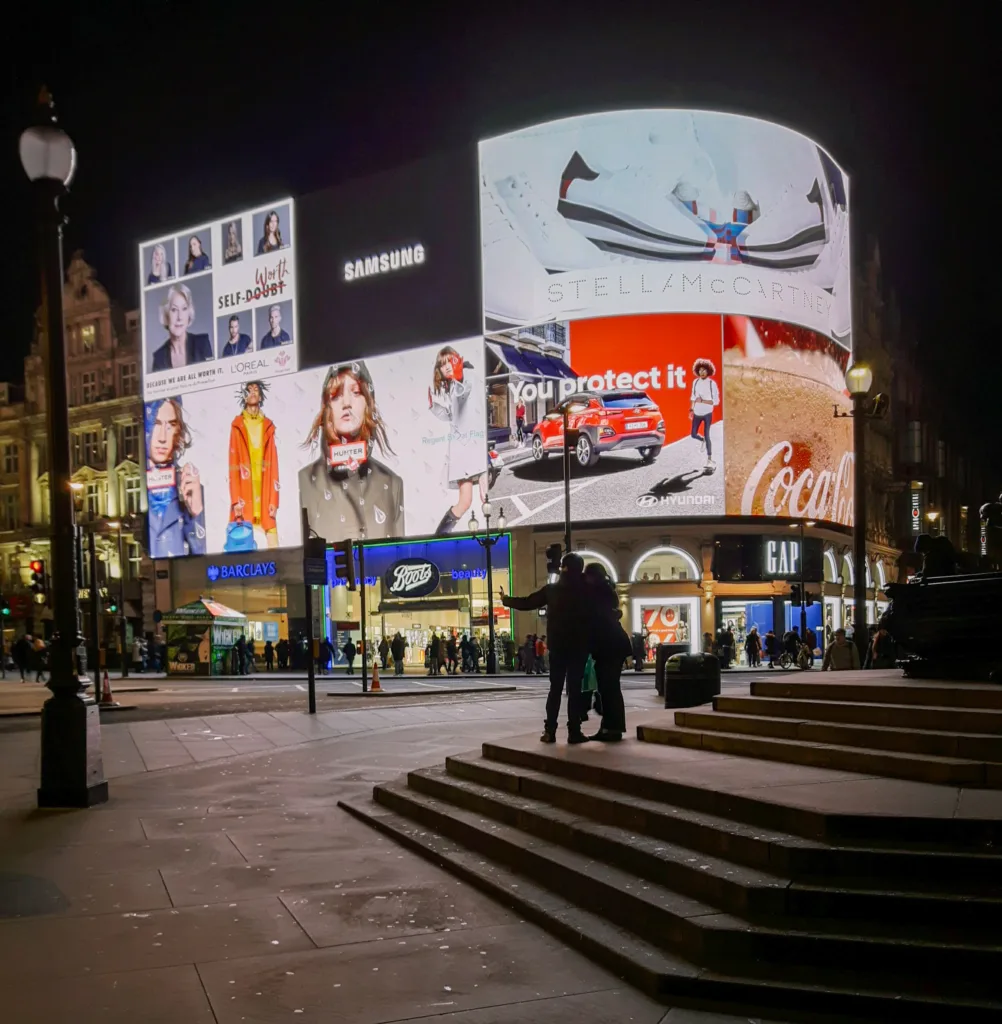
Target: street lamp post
858, 380
122, 625
487, 542
72, 773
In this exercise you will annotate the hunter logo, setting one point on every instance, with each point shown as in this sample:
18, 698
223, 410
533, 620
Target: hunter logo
411, 577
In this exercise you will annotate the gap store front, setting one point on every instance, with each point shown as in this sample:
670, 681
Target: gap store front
417, 589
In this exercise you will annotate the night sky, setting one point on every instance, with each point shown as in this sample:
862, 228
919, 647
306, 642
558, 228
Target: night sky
183, 112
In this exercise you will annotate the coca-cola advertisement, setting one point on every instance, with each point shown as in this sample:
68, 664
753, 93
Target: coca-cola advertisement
788, 454
640, 403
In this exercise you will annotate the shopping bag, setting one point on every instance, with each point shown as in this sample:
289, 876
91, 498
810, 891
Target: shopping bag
589, 684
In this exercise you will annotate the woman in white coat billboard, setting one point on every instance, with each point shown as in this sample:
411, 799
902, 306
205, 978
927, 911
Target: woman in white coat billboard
450, 399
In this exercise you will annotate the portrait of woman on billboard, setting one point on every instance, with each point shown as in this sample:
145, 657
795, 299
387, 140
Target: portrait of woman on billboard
271, 239
182, 347
234, 250
346, 491
160, 268
253, 473
198, 258
176, 495
454, 381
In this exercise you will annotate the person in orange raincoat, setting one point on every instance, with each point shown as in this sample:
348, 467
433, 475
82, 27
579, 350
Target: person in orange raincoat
254, 464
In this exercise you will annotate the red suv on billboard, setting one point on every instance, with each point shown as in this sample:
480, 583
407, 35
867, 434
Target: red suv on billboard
602, 421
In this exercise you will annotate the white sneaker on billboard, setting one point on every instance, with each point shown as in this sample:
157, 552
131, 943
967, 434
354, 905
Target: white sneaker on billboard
788, 235
554, 243
631, 212
513, 278
710, 465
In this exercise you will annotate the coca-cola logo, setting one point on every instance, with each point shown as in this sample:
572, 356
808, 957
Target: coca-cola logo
774, 488
411, 577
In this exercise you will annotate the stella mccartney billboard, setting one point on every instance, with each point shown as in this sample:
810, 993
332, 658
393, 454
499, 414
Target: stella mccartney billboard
676, 281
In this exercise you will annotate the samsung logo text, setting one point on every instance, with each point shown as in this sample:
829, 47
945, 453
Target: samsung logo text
384, 262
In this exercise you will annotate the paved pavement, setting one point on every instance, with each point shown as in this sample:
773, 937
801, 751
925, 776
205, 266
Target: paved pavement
222, 884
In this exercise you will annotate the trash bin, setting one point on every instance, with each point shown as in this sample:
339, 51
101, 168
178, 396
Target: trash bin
691, 680
664, 652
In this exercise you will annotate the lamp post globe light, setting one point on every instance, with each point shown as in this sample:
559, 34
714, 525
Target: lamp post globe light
487, 542
72, 773
858, 381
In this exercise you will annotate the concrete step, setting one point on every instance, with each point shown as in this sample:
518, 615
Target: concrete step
945, 771
967, 746
805, 861
727, 883
686, 929
954, 695
733, 887
904, 716
974, 839
815, 995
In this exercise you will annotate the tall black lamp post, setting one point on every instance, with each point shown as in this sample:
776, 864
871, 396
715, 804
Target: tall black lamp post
803, 575
72, 773
858, 380
487, 542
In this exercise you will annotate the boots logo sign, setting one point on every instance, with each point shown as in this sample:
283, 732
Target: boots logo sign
412, 577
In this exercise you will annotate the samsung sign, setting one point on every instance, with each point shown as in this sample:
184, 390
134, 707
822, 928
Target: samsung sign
411, 577
243, 571
384, 262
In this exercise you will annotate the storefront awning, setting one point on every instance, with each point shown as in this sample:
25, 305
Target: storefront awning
529, 363
434, 604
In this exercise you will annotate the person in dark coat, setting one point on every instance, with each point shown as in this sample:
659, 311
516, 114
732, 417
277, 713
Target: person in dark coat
269, 656
568, 610
451, 656
350, 650
610, 647
398, 645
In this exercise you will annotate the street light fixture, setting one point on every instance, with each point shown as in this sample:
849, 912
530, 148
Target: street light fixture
72, 774
487, 542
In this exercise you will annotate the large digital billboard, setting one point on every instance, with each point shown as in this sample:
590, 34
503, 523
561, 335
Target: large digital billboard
374, 448
218, 302
663, 211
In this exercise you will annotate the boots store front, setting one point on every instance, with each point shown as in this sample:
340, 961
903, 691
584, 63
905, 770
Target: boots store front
665, 291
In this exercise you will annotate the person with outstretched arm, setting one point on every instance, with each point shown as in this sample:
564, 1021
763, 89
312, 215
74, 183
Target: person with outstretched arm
568, 613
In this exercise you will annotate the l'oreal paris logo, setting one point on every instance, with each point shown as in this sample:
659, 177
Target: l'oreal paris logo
384, 262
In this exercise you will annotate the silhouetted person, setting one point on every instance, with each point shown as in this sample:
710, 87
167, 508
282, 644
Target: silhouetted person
939, 558
568, 609
349, 650
610, 647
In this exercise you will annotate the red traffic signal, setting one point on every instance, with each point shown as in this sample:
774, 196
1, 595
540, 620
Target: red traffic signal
37, 566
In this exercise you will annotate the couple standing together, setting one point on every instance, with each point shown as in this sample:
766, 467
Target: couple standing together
582, 618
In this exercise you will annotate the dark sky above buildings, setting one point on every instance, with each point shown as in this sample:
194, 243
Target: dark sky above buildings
183, 111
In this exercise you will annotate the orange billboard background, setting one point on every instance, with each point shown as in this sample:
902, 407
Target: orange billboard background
661, 346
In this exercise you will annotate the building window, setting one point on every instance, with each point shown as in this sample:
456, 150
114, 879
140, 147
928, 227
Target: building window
11, 458
133, 491
89, 386
913, 443
134, 560
127, 379
128, 442
88, 449
94, 498
88, 338
10, 511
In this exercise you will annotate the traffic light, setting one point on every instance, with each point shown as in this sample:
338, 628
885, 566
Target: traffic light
4, 608
809, 598
554, 553
112, 606
344, 562
795, 597
39, 581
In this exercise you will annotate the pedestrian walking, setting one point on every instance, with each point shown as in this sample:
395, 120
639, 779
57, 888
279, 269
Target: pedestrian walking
384, 653
840, 654
251, 665
881, 651
475, 655
21, 653
349, 650
240, 656
610, 647
282, 651
451, 656
753, 648
568, 611
398, 645
269, 656
771, 648
435, 655
520, 421
540, 655
529, 654
39, 654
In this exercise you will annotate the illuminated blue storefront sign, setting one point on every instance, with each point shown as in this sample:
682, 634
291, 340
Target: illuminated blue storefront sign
241, 571
457, 558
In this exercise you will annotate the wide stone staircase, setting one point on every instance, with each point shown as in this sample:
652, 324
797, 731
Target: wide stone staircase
716, 898
949, 734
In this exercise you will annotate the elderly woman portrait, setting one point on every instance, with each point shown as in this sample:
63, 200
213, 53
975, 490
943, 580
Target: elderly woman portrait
347, 491
181, 348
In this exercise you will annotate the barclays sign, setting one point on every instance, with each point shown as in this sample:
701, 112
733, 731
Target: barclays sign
242, 571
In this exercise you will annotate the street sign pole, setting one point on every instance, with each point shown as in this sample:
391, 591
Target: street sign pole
311, 661
365, 646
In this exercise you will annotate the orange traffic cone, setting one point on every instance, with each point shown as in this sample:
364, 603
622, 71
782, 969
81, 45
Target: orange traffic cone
106, 695
375, 688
